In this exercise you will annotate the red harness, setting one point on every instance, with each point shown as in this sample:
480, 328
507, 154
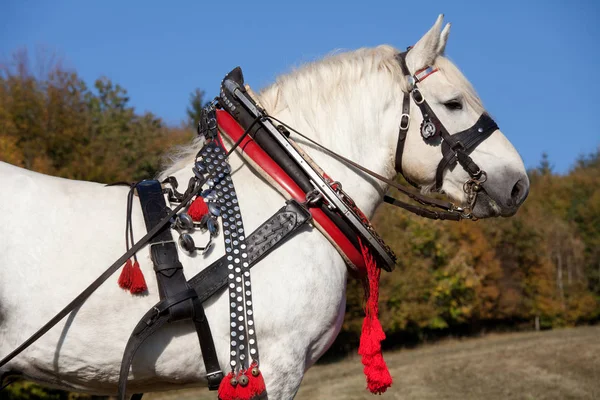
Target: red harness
229, 126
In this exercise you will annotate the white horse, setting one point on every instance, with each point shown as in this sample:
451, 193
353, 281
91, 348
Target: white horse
57, 235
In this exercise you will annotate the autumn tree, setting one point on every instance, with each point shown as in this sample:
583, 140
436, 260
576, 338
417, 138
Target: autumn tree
194, 109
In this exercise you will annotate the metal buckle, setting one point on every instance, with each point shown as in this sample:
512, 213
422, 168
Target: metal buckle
210, 374
402, 126
417, 91
162, 243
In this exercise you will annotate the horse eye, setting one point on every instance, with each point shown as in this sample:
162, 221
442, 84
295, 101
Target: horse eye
453, 105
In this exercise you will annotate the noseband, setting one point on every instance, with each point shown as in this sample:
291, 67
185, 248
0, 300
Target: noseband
456, 147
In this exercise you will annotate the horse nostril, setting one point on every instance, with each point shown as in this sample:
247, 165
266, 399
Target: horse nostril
519, 193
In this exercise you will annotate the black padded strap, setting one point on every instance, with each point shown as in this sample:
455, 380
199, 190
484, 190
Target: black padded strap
276, 230
457, 147
163, 250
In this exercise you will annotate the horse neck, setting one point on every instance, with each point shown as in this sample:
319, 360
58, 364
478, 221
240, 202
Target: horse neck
360, 124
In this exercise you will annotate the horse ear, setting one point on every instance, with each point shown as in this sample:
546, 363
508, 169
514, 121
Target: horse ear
426, 50
443, 40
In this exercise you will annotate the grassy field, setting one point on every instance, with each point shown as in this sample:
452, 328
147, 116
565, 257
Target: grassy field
559, 364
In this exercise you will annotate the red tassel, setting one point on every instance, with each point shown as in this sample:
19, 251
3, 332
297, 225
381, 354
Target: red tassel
226, 390
138, 283
243, 392
125, 277
253, 390
256, 383
376, 371
198, 209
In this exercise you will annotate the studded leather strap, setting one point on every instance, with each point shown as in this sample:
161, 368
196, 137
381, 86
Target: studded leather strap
209, 281
243, 342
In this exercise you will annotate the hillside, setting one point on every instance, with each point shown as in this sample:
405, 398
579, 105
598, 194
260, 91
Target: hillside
559, 364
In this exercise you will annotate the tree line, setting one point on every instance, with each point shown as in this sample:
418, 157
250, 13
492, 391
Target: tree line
537, 270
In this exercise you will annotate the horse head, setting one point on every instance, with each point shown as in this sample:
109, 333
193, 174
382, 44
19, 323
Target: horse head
457, 106
355, 102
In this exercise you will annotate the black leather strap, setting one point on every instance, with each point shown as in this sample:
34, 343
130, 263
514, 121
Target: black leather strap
404, 122
423, 212
163, 250
402, 131
457, 147
214, 375
276, 230
178, 299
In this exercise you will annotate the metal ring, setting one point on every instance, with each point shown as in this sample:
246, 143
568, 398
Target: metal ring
313, 197
483, 177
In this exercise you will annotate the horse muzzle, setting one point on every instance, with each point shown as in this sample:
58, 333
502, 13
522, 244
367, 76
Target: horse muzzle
501, 197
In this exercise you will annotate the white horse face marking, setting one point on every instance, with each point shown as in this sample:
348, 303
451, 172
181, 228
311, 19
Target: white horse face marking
457, 106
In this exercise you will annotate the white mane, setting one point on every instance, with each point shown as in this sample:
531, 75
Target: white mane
318, 84
314, 86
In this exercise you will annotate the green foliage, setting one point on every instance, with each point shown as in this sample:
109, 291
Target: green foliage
194, 110
56, 125
545, 168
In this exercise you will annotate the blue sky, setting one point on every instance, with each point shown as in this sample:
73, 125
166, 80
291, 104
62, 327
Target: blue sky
536, 64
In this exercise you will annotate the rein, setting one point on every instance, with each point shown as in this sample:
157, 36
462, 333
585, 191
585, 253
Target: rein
451, 211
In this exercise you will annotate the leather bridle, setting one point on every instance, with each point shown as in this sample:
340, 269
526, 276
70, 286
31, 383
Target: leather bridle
455, 148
